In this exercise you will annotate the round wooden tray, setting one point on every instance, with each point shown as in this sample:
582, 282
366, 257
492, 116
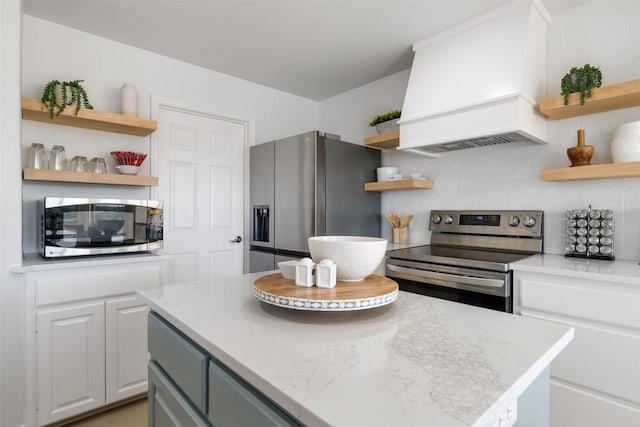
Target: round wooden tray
373, 291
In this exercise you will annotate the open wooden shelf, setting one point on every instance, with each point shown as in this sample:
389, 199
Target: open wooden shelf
384, 141
612, 97
607, 170
33, 109
399, 184
88, 178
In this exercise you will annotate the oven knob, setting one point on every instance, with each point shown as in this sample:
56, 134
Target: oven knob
514, 220
529, 221
448, 219
436, 219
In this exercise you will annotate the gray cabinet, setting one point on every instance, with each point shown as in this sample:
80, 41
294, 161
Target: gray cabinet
232, 402
168, 407
189, 387
182, 361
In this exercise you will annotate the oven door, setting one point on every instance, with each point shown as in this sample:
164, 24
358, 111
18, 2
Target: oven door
480, 288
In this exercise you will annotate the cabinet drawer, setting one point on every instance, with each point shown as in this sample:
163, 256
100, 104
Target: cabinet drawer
594, 304
185, 364
97, 282
167, 406
601, 360
570, 407
233, 402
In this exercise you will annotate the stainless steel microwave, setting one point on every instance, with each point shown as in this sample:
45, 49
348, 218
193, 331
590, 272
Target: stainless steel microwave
76, 227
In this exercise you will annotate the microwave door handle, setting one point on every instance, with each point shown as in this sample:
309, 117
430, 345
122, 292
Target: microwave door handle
466, 280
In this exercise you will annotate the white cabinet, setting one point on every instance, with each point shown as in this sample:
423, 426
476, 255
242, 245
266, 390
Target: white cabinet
86, 334
70, 361
595, 381
126, 348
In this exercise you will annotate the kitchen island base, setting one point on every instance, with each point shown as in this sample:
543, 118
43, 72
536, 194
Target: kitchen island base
189, 387
419, 361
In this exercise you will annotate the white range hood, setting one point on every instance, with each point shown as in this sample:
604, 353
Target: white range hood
478, 84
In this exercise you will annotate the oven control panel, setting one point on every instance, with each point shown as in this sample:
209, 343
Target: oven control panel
498, 223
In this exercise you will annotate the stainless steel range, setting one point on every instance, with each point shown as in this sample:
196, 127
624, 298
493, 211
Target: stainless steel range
469, 256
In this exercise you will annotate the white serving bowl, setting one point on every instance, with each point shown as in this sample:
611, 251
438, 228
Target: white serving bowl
356, 257
128, 169
288, 269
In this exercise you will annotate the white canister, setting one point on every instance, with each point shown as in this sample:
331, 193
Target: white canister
304, 273
129, 100
625, 143
326, 272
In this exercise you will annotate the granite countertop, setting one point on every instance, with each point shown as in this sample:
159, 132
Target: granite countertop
619, 271
418, 361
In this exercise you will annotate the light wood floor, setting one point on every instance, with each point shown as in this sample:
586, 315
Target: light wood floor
133, 414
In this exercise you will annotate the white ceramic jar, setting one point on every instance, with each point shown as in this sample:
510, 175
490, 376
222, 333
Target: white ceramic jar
129, 100
625, 144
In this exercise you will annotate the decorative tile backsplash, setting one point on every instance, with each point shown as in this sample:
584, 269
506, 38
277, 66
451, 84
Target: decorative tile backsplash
507, 177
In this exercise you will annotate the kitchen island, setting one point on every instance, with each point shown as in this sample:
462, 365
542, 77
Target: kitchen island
416, 362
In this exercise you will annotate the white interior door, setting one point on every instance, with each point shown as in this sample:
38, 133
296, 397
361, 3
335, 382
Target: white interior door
200, 166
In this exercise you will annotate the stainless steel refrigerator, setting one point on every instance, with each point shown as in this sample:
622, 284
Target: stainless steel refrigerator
308, 185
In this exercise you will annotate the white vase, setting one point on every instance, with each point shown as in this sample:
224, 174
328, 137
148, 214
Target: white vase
129, 100
625, 144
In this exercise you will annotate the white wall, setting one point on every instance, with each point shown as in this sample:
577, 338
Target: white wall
11, 329
105, 65
349, 113
602, 33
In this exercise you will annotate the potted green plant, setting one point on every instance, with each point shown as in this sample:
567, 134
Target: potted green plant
581, 80
386, 122
70, 93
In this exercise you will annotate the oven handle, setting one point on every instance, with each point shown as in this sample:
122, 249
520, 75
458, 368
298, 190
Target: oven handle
474, 281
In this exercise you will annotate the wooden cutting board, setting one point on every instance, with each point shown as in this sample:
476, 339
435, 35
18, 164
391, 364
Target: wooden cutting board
373, 291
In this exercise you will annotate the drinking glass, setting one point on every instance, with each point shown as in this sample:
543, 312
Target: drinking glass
97, 165
79, 164
57, 158
37, 156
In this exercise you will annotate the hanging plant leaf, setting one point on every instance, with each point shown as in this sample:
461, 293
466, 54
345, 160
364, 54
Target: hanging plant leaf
72, 93
581, 80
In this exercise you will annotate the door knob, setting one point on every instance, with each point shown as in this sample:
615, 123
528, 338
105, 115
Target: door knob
238, 239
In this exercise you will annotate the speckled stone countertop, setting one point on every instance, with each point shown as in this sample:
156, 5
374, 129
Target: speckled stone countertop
618, 271
417, 362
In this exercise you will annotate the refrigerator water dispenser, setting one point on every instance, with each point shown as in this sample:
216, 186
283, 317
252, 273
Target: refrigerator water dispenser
260, 224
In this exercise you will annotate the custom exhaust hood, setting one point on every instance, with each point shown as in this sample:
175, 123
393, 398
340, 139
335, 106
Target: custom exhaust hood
477, 84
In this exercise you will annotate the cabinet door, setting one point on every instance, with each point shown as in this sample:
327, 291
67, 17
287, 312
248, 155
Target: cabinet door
126, 348
167, 405
70, 361
232, 402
